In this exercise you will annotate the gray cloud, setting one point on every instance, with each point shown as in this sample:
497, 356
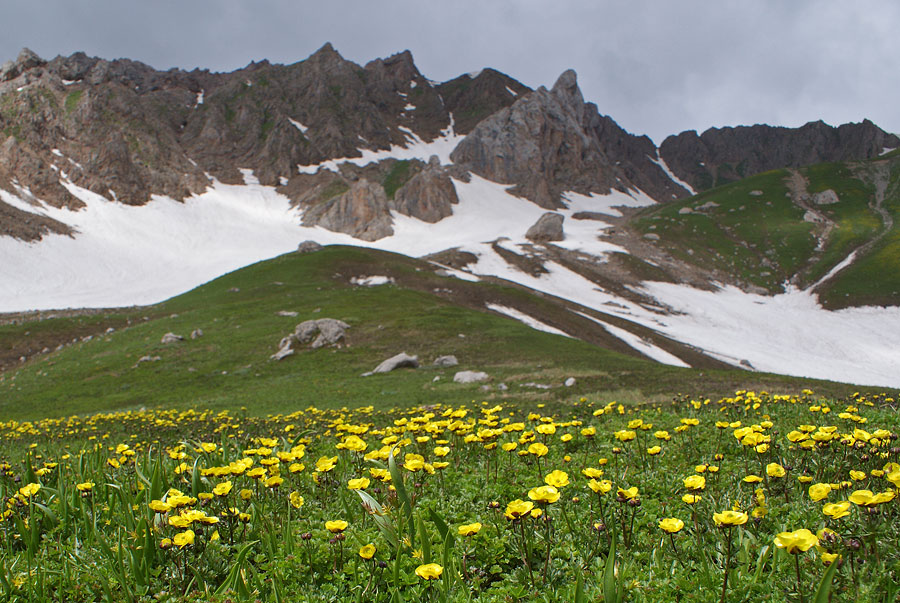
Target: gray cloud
657, 67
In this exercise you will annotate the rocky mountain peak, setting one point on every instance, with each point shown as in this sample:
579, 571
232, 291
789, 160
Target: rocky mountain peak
26, 61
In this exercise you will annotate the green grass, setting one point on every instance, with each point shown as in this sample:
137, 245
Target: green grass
72, 100
397, 177
229, 366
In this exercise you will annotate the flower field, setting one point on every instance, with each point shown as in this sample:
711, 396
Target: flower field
752, 497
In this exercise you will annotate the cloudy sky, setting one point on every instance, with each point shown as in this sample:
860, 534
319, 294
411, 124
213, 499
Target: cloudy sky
657, 67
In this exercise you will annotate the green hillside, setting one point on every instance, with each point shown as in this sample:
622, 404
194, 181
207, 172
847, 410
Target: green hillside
769, 229
421, 313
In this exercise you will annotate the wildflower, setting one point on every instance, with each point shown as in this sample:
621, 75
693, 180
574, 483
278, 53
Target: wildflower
183, 539
85, 487
296, 500
441, 451
360, 483
654, 450
695, 483
469, 529
544, 494
600, 487
753, 479
775, 470
691, 498
222, 489
518, 508
336, 527
628, 494
29, 490
326, 464
671, 525
819, 491
429, 571
159, 506
557, 478
592, 472
730, 518
798, 541
538, 449
367, 551
274, 481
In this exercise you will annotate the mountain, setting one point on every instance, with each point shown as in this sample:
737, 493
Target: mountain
123, 185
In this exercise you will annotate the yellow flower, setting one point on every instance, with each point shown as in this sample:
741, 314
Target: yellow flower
628, 494
654, 450
360, 483
222, 489
798, 541
538, 449
544, 494
775, 470
469, 529
85, 486
274, 481
441, 451
624, 435
429, 571
29, 490
753, 479
730, 518
857, 475
518, 508
336, 527
829, 558
296, 500
601, 487
159, 506
326, 464
691, 498
695, 482
557, 478
837, 510
367, 551
183, 539
592, 472
819, 491
246, 494
671, 525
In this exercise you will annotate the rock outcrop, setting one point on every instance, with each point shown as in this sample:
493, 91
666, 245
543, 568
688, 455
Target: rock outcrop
428, 196
401, 360
321, 332
470, 377
722, 155
551, 141
361, 212
549, 227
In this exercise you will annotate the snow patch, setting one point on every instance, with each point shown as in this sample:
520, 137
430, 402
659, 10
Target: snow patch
640, 344
474, 74
526, 319
371, 281
416, 148
298, 125
199, 100
511, 91
409, 107
662, 164
886, 150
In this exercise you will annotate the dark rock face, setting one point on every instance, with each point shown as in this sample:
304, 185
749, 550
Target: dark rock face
471, 99
551, 141
722, 155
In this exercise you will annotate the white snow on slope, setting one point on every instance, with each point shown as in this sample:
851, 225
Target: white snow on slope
662, 163
415, 148
532, 322
640, 344
298, 125
124, 255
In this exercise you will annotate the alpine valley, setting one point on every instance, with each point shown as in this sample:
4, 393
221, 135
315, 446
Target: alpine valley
760, 248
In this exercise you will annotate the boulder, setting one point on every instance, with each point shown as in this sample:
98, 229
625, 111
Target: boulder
308, 247
427, 196
826, 197
446, 361
549, 227
470, 377
322, 332
569, 382
196, 333
401, 360
171, 338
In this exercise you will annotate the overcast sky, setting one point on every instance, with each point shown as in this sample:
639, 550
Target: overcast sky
656, 67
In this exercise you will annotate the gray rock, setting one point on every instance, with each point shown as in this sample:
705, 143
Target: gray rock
428, 196
685, 210
826, 197
569, 382
331, 331
470, 377
503, 387
401, 360
289, 313
361, 212
308, 247
549, 227
446, 361
284, 350
196, 333
171, 338
651, 236
707, 205
756, 193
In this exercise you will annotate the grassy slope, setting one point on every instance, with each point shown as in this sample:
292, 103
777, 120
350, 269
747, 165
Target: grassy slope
229, 366
763, 240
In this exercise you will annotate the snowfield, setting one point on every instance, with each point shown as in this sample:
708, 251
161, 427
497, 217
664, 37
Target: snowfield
123, 255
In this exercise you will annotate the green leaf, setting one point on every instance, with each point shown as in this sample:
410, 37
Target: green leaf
195, 478
579, 585
234, 580
610, 582
402, 496
823, 593
426, 541
381, 519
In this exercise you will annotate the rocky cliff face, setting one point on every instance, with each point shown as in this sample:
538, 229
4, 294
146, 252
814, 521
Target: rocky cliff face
722, 155
551, 141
